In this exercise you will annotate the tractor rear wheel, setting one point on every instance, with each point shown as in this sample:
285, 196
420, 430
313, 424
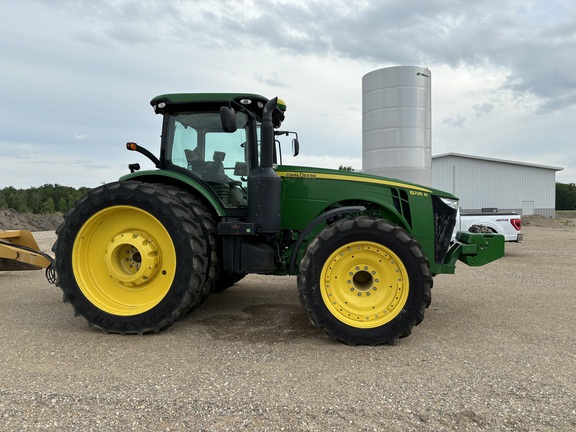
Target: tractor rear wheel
365, 281
130, 258
205, 218
217, 280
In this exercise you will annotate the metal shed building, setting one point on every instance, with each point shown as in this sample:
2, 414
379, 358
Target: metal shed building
489, 184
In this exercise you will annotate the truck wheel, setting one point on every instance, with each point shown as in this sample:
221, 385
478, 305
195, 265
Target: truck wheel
365, 281
129, 258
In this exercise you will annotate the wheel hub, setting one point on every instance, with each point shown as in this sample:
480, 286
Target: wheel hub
364, 284
132, 258
363, 279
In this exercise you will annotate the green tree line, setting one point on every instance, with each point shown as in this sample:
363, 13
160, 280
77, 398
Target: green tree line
565, 196
50, 198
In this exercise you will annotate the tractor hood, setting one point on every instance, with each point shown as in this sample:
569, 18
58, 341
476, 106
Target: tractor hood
289, 171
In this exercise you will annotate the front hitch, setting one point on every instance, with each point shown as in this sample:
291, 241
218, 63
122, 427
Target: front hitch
475, 249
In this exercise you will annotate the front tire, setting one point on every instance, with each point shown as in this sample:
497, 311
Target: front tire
365, 281
129, 258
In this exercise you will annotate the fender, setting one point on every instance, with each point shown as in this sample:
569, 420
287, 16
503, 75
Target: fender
177, 178
321, 218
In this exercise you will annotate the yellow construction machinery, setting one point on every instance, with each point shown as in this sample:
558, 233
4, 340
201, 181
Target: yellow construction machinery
19, 251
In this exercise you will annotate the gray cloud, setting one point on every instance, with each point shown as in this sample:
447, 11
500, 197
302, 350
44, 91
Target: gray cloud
484, 108
455, 122
537, 49
535, 41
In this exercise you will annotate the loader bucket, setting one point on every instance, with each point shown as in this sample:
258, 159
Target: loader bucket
19, 251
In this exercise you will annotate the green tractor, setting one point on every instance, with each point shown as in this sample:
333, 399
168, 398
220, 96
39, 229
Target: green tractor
136, 255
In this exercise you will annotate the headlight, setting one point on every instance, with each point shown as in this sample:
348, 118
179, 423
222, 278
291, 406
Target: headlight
450, 202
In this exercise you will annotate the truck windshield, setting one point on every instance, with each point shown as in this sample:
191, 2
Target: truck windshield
197, 142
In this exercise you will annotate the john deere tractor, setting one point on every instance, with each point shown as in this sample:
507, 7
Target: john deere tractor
136, 255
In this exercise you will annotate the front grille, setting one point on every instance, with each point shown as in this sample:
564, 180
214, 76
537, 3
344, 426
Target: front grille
444, 222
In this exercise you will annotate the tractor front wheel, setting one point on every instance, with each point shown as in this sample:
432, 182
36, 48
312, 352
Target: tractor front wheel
365, 281
129, 258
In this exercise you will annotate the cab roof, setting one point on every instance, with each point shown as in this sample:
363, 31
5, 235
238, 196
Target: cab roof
177, 102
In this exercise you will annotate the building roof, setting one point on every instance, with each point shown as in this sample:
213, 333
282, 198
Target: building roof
460, 155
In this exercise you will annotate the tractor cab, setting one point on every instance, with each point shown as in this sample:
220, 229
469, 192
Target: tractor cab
194, 140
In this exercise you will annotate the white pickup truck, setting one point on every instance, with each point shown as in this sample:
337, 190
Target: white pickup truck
507, 224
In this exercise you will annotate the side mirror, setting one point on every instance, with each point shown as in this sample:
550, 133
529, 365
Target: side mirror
295, 147
228, 119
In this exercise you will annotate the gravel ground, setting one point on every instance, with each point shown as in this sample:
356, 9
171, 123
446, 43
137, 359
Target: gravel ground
496, 352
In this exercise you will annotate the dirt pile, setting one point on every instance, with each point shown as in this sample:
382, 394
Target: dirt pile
540, 221
13, 220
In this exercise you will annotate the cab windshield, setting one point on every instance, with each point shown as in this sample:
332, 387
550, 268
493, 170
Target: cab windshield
197, 143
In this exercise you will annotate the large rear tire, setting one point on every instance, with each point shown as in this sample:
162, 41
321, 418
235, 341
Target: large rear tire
205, 218
217, 280
365, 281
129, 258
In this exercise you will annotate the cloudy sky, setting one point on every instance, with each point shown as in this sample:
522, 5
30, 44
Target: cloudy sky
76, 76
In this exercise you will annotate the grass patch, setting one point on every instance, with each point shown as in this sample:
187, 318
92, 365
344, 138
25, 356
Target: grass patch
565, 214
569, 222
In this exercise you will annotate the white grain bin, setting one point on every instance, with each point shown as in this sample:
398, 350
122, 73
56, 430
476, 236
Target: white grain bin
396, 123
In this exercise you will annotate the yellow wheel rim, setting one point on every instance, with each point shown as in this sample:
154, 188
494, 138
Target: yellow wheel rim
364, 284
124, 260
